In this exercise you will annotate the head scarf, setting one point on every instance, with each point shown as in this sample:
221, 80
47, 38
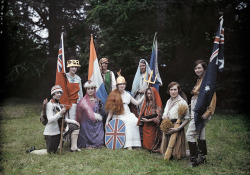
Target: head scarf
156, 103
136, 82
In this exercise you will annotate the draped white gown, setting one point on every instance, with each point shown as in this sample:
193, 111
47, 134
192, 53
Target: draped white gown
132, 133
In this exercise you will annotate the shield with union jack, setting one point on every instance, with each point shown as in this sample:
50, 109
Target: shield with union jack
115, 134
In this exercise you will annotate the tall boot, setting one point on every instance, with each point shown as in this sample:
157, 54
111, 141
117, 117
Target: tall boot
74, 138
202, 151
193, 154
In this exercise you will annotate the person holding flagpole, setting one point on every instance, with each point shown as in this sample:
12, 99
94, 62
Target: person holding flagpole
72, 86
54, 112
203, 101
191, 134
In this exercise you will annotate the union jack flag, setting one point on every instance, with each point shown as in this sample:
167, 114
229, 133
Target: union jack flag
208, 85
115, 134
60, 60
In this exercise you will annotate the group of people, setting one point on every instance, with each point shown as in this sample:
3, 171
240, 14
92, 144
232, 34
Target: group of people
88, 117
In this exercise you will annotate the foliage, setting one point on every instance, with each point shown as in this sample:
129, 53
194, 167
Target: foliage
227, 139
123, 32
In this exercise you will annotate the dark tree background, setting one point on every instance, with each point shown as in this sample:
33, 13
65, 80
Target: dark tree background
123, 32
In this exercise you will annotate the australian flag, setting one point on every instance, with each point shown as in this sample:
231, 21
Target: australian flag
154, 65
208, 85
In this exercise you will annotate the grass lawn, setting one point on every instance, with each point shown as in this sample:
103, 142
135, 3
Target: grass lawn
227, 139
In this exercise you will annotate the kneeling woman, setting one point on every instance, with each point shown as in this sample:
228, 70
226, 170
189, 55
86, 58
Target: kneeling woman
117, 106
171, 113
54, 112
89, 114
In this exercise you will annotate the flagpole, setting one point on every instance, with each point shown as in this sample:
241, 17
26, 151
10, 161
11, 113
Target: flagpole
63, 53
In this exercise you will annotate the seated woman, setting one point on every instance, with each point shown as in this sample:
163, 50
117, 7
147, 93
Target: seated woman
54, 113
171, 113
117, 107
151, 130
89, 115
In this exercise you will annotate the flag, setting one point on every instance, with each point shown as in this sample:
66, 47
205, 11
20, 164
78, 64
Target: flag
94, 73
154, 65
115, 134
208, 85
61, 78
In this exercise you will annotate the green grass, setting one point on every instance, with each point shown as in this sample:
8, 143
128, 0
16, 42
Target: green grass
227, 139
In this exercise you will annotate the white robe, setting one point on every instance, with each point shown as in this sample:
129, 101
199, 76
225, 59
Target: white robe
132, 133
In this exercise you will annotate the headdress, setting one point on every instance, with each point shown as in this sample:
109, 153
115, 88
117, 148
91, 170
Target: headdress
89, 84
56, 88
103, 60
136, 82
120, 79
73, 63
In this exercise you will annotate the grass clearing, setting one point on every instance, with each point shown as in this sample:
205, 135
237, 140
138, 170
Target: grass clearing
227, 140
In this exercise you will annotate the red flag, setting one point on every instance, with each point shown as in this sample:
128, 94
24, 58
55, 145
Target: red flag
61, 78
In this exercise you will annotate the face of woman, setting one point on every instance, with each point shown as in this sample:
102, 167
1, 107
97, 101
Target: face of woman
173, 91
149, 95
199, 70
121, 87
57, 95
73, 70
90, 91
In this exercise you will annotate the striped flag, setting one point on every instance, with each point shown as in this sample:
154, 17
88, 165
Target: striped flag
94, 73
154, 65
61, 78
207, 89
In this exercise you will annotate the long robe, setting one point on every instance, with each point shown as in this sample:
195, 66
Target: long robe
171, 112
151, 131
132, 130
91, 130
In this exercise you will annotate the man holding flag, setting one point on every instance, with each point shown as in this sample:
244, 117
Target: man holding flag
203, 101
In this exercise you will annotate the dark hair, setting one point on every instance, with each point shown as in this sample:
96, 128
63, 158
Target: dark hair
203, 64
173, 84
143, 62
148, 89
180, 92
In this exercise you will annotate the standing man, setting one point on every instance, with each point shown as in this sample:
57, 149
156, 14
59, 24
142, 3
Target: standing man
139, 86
74, 86
107, 75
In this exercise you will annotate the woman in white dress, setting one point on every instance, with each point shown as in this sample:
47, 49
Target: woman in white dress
117, 107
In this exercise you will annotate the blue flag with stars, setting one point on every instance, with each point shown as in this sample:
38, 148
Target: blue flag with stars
207, 89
